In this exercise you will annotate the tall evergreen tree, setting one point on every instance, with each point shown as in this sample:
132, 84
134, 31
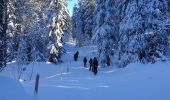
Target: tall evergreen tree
59, 22
143, 31
11, 36
42, 24
89, 17
83, 23
3, 28
80, 23
106, 33
102, 33
74, 22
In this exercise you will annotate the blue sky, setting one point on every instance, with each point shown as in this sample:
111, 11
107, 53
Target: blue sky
71, 4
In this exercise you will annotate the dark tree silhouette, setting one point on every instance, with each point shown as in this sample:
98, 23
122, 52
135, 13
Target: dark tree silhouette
3, 27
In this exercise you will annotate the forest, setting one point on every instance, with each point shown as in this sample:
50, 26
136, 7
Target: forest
124, 30
102, 50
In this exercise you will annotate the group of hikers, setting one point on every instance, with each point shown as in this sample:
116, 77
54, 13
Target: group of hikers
92, 62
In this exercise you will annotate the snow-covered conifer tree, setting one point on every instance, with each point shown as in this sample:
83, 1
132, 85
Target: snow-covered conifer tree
74, 22
143, 31
89, 17
106, 33
80, 24
41, 22
3, 28
59, 22
83, 23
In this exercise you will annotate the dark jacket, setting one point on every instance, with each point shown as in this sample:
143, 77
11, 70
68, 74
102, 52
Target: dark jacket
85, 60
95, 62
90, 61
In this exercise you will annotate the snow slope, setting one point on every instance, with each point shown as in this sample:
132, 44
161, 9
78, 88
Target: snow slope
12, 90
71, 81
135, 82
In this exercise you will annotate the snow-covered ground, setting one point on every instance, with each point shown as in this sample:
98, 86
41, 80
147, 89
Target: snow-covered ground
71, 81
11, 89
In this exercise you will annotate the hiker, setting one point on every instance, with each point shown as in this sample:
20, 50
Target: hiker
90, 63
85, 61
76, 56
95, 65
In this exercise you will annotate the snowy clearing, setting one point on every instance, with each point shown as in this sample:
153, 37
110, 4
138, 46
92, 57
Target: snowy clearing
12, 90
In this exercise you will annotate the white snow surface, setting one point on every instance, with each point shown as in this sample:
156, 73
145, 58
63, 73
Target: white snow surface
11, 89
71, 81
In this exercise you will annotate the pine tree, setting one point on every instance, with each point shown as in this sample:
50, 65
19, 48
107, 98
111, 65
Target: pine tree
11, 40
3, 28
59, 22
89, 17
80, 23
18, 14
143, 31
74, 22
83, 23
41, 22
106, 32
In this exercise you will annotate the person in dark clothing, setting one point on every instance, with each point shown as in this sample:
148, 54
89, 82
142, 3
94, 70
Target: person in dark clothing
76, 56
95, 65
85, 61
90, 63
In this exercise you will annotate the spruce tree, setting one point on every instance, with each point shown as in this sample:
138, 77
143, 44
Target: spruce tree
106, 31
144, 32
41, 23
83, 21
3, 28
59, 22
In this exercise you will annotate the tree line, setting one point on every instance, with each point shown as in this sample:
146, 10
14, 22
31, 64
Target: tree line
125, 31
32, 30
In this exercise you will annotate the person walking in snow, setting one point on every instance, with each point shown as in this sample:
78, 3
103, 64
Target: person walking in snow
76, 56
95, 65
90, 63
85, 61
